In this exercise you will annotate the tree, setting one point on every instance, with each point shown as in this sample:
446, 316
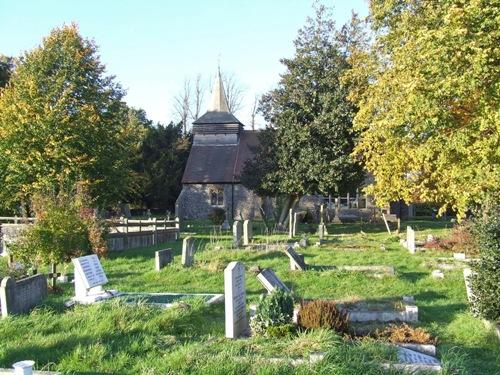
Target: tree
427, 90
159, 164
307, 149
182, 104
6, 68
234, 92
62, 121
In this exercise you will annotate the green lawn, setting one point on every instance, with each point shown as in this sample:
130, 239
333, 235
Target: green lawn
116, 338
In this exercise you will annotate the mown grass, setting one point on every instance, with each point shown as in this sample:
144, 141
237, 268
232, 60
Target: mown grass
115, 338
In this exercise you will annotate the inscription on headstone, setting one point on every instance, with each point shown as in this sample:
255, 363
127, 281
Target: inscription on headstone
247, 232
411, 356
162, 258
90, 270
270, 281
21, 296
187, 258
235, 300
296, 260
237, 233
410, 239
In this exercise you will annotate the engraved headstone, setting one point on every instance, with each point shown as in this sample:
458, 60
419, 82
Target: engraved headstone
410, 356
162, 258
187, 258
17, 297
235, 300
295, 259
237, 233
410, 239
247, 232
270, 281
89, 279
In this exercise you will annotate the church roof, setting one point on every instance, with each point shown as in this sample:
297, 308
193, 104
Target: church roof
212, 117
219, 164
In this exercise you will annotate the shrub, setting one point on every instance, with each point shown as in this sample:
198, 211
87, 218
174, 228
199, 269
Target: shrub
217, 215
486, 281
460, 240
322, 314
284, 330
274, 310
406, 334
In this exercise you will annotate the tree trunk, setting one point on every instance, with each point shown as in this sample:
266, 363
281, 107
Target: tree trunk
53, 270
291, 202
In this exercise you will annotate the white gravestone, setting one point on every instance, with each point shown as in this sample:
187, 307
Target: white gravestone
237, 233
290, 223
235, 300
187, 258
296, 218
270, 281
89, 279
247, 232
410, 239
410, 356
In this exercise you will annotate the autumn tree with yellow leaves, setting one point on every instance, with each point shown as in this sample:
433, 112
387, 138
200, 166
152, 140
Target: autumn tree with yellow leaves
427, 88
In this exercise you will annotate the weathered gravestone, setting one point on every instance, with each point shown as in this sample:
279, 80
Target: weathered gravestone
162, 258
410, 239
290, 223
187, 259
296, 260
321, 231
235, 300
17, 297
247, 232
270, 281
411, 356
237, 233
89, 279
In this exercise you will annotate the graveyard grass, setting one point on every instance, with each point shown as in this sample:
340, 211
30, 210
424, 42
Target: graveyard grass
112, 337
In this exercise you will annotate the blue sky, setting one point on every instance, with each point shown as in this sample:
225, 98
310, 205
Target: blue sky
151, 46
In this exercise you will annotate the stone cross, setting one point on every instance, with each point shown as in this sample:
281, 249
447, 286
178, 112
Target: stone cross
162, 258
237, 233
187, 258
410, 239
235, 300
247, 232
270, 281
296, 260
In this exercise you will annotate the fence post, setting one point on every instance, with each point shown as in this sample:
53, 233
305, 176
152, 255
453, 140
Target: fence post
125, 240
154, 231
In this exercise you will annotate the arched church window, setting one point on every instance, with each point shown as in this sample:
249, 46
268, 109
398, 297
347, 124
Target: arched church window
217, 197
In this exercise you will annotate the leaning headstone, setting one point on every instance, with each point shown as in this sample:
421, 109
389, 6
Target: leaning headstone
235, 300
187, 258
247, 232
21, 296
296, 261
162, 258
410, 356
270, 281
89, 279
410, 239
237, 233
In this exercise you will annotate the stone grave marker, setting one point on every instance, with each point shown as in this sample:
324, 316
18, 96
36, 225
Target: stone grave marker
247, 232
290, 223
237, 233
89, 279
410, 239
162, 258
321, 231
17, 297
187, 258
296, 219
235, 300
410, 356
270, 281
296, 261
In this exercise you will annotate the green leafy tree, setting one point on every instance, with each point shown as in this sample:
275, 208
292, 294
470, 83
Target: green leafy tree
159, 163
62, 121
427, 88
307, 148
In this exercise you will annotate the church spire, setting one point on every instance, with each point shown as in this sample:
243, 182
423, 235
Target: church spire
219, 100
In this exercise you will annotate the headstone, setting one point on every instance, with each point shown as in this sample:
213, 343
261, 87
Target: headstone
437, 274
410, 239
237, 233
290, 223
162, 258
225, 225
410, 356
468, 273
89, 279
321, 214
304, 242
21, 296
459, 256
296, 219
296, 260
235, 300
247, 232
187, 259
270, 281
321, 231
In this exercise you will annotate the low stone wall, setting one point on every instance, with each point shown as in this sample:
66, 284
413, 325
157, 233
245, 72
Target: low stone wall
131, 240
17, 297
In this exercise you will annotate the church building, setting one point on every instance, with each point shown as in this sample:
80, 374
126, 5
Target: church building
211, 179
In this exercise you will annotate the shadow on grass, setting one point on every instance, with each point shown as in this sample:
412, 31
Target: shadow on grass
412, 276
440, 313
